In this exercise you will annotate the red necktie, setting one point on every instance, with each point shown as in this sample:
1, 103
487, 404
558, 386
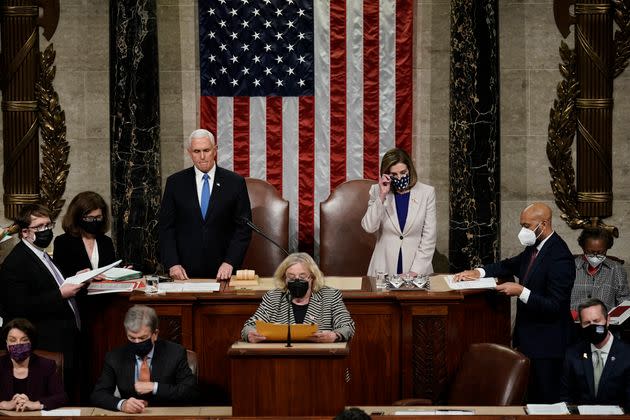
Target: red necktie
531, 262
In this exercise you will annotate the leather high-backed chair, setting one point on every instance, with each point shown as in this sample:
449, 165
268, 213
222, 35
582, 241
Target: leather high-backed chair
489, 374
270, 212
345, 248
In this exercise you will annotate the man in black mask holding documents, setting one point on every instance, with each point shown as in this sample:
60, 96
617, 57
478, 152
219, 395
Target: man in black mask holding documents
300, 284
546, 273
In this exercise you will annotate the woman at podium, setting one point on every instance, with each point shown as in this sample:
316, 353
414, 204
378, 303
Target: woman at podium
401, 212
301, 297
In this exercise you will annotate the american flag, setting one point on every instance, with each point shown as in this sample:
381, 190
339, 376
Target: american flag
306, 94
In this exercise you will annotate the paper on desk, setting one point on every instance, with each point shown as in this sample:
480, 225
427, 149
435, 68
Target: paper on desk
600, 410
200, 287
278, 332
62, 412
482, 283
439, 412
83, 277
558, 408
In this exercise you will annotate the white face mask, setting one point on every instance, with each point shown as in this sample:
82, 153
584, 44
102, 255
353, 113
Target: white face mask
595, 260
527, 236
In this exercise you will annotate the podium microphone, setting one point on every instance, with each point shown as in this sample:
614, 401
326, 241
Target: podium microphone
289, 299
259, 231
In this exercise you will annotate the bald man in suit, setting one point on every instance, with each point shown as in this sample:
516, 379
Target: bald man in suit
546, 273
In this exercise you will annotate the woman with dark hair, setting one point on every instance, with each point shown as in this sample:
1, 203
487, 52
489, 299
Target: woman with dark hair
596, 275
27, 382
84, 243
401, 212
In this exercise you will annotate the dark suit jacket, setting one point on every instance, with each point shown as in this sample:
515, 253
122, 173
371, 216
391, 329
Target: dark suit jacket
199, 245
169, 368
28, 290
43, 382
70, 254
542, 326
614, 385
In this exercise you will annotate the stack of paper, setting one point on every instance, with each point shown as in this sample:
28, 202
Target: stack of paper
88, 275
121, 274
192, 287
547, 409
482, 283
620, 313
111, 287
600, 410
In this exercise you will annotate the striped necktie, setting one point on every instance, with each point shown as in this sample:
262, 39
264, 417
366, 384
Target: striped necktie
71, 300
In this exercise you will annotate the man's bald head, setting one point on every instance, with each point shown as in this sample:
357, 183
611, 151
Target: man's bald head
537, 217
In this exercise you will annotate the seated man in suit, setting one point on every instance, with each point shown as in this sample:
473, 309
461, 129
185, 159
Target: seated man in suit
146, 371
596, 370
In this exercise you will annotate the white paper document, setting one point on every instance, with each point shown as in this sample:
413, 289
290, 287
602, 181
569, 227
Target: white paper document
65, 412
83, 277
202, 287
544, 409
482, 283
429, 412
122, 273
600, 410
101, 288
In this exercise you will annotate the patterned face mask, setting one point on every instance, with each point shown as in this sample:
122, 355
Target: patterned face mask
400, 184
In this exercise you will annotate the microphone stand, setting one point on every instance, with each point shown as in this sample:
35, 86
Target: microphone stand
259, 231
288, 295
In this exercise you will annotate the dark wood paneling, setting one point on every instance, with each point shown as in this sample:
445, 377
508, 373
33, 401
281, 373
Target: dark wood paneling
407, 344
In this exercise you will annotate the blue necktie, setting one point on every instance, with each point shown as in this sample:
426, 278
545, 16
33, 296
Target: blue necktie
205, 196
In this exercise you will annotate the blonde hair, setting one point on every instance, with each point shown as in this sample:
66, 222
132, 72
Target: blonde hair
307, 262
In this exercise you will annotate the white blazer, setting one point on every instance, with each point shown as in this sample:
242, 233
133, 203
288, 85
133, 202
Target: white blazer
418, 238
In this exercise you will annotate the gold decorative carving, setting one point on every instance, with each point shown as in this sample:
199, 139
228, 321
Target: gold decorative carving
562, 126
55, 148
622, 36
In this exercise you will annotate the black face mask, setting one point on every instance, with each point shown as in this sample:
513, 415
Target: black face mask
595, 333
43, 238
298, 288
92, 227
142, 348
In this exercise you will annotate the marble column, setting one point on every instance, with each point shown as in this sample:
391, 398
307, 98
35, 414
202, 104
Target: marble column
135, 131
474, 134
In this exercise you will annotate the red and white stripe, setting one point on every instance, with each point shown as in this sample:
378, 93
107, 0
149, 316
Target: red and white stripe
362, 106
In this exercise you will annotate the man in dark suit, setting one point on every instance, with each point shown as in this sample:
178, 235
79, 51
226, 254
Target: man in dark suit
546, 272
202, 233
31, 287
596, 370
147, 371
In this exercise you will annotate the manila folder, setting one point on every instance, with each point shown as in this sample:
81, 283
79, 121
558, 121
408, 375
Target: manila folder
278, 332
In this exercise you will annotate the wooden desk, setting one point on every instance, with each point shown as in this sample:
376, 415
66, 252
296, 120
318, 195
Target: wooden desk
407, 343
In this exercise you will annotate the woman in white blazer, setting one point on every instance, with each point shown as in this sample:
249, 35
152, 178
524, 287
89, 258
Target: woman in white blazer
401, 212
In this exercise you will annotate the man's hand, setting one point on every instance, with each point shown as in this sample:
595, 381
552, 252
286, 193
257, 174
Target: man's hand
69, 290
28, 406
133, 406
254, 337
143, 387
177, 272
510, 288
225, 272
466, 275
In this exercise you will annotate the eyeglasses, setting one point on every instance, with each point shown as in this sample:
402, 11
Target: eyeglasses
42, 228
302, 277
92, 218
